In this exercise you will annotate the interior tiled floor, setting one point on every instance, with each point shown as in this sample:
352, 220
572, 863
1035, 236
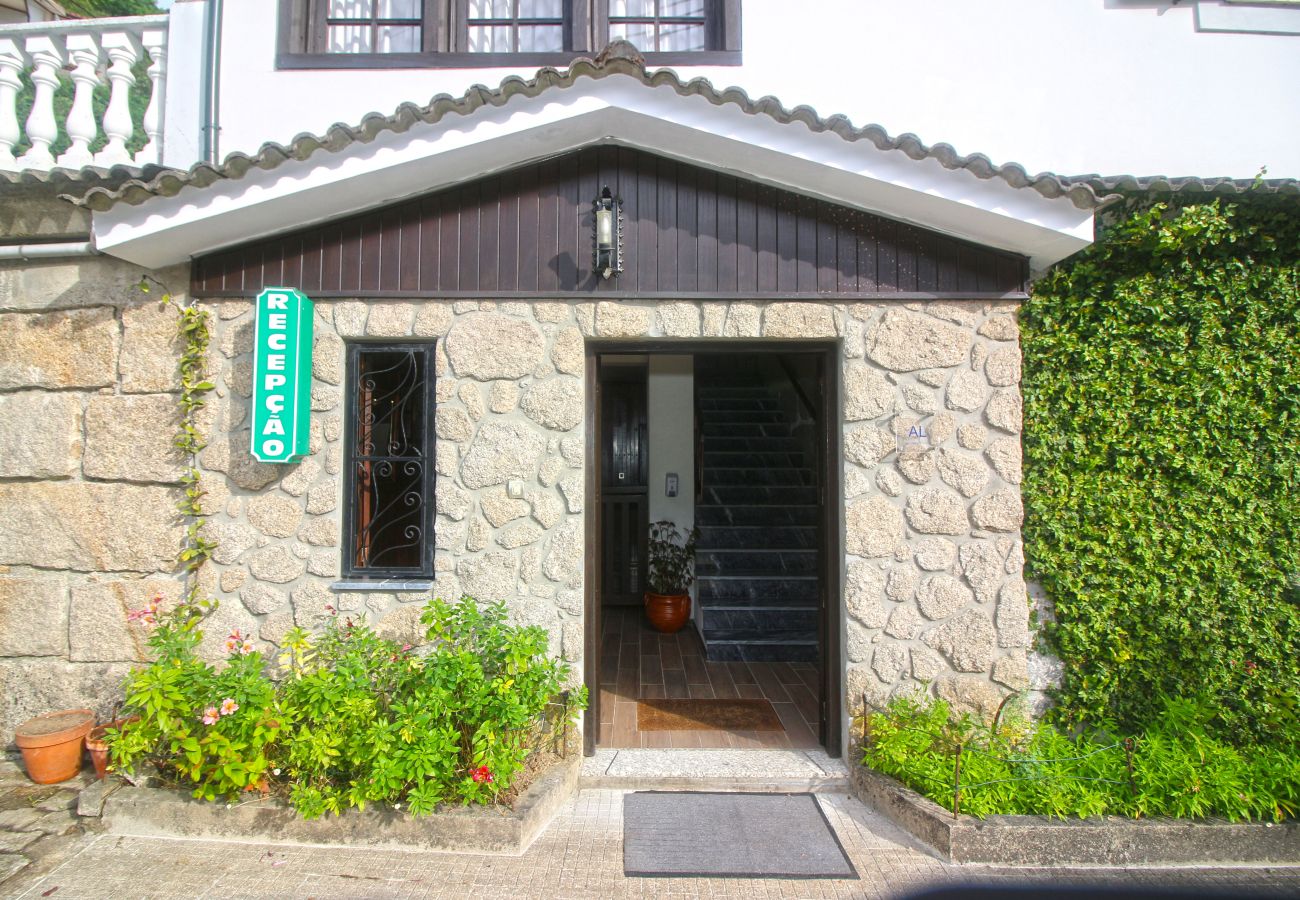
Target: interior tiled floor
639, 663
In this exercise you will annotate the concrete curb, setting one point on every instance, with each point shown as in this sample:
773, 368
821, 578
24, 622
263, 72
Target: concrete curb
1106, 841
151, 812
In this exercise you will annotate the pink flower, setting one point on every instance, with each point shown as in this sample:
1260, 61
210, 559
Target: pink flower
210, 715
247, 646
228, 706
481, 775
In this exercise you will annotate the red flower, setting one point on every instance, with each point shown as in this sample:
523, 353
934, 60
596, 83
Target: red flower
481, 774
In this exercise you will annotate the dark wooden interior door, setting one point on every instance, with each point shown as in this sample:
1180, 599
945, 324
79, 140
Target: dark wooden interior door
625, 467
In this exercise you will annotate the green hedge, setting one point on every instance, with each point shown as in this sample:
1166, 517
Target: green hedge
1162, 440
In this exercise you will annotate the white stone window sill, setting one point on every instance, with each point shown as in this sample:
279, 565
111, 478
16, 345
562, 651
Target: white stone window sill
383, 584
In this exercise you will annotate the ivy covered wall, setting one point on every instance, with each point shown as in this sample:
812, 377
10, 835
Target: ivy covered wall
1162, 471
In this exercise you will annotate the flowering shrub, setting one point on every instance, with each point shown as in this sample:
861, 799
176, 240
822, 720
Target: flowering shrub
210, 728
350, 718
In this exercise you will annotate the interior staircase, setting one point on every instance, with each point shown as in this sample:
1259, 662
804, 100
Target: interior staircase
756, 560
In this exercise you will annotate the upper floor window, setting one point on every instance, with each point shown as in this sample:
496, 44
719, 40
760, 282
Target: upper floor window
480, 33
373, 26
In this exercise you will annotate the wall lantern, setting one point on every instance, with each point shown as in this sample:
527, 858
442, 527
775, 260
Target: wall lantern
609, 234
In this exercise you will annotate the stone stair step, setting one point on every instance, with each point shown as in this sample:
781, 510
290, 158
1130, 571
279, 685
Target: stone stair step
735, 590
775, 477
741, 563
751, 514
751, 495
756, 537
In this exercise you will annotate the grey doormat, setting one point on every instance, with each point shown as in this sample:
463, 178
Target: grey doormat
725, 835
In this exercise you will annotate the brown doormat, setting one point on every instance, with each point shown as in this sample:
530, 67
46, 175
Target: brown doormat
707, 715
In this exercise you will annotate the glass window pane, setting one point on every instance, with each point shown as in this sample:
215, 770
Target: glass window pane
349, 39
640, 34
489, 39
399, 9
491, 9
684, 8
541, 9
398, 39
350, 9
540, 38
681, 37
633, 8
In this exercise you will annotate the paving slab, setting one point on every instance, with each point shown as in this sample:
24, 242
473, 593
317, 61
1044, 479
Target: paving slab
579, 856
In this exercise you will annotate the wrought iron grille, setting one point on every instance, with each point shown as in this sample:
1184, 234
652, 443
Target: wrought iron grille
389, 517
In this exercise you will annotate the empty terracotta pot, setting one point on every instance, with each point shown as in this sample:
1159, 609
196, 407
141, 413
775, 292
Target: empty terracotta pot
51, 744
667, 612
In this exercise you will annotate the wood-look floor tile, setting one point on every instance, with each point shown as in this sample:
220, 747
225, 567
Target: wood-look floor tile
749, 691
771, 685
652, 672
702, 691
694, 668
795, 727
653, 692
740, 674
670, 651
675, 684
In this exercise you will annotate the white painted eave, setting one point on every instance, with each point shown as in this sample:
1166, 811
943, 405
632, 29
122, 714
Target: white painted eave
395, 166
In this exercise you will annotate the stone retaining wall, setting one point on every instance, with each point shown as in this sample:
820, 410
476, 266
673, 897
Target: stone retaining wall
934, 591
88, 477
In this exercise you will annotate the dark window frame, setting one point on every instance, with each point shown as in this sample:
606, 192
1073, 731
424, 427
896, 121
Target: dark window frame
350, 570
301, 40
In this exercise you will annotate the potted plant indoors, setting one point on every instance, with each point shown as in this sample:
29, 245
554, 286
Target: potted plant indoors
671, 569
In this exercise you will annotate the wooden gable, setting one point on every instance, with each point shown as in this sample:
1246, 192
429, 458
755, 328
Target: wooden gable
688, 232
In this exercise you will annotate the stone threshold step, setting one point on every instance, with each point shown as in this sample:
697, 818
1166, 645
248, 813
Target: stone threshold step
760, 771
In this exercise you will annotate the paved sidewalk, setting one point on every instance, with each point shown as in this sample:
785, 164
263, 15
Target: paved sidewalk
580, 855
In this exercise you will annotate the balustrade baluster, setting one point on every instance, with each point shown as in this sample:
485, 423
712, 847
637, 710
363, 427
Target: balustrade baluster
85, 55
123, 48
155, 42
12, 61
42, 130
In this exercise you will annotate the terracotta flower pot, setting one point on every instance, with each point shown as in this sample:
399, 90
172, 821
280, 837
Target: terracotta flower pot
51, 744
97, 744
667, 612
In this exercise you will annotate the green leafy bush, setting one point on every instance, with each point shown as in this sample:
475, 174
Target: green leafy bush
1162, 476
213, 729
1178, 769
354, 718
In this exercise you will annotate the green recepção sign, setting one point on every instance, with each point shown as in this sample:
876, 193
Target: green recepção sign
282, 376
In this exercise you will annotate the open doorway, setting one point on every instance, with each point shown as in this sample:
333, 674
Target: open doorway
739, 442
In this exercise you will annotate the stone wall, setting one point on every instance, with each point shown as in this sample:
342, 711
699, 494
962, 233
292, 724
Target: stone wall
933, 564
933, 585
88, 528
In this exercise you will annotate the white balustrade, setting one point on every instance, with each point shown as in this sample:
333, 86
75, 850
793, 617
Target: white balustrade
90, 53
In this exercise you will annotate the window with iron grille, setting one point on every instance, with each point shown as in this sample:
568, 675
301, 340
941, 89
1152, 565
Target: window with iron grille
388, 520
470, 33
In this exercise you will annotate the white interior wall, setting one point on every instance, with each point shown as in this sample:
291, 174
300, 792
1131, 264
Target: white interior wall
670, 419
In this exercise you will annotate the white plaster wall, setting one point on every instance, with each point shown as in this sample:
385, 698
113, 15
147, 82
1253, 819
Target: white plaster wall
1070, 86
670, 405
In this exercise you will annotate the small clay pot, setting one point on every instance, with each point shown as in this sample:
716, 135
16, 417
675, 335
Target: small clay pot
51, 744
667, 612
97, 744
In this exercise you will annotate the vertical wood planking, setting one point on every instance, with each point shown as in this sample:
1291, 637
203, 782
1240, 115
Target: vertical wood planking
666, 276
686, 230
706, 227
646, 233
726, 234
568, 247
489, 224
529, 233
